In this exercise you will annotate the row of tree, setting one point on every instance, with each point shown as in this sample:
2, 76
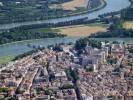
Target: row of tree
123, 33
7, 37
127, 14
83, 42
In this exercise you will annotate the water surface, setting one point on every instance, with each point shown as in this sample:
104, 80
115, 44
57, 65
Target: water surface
13, 49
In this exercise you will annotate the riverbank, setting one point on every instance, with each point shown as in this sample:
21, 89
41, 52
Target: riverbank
128, 24
11, 50
75, 30
101, 6
20, 35
6, 59
20, 47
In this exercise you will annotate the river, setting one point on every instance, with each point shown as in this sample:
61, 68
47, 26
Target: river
112, 5
17, 48
13, 49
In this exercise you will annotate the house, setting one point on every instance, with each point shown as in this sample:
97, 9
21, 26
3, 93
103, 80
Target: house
91, 62
117, 49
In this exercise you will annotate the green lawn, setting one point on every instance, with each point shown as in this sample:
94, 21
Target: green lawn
57, 30
128, 24
45, 30
98, 24
6, 59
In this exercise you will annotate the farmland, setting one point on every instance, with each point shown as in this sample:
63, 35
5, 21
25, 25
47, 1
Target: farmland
76, 30
72, 5
128, 25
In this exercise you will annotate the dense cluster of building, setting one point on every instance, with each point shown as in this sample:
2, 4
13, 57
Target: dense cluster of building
64, 74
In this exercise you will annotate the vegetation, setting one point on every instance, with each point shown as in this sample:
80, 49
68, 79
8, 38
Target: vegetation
130, 50
12, 11
44, 30
127, 14
1, 98
111, 60
68, 73
81, 30
119, 27
82, 43
90, 69
12, 36
38, 90
123, 33
5, 59
74, 30
67, 86
75, 75
48, 92
97, 25
128, 24
96, 3
29, 10
25, 54
3, 89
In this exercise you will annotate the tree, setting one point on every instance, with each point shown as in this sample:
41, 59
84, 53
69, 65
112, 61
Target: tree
74, 74
130, 50
82, 43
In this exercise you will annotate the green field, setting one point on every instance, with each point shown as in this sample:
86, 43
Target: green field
45, 30
128, 24
74, 30
97, 25
32, 10
6, 59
